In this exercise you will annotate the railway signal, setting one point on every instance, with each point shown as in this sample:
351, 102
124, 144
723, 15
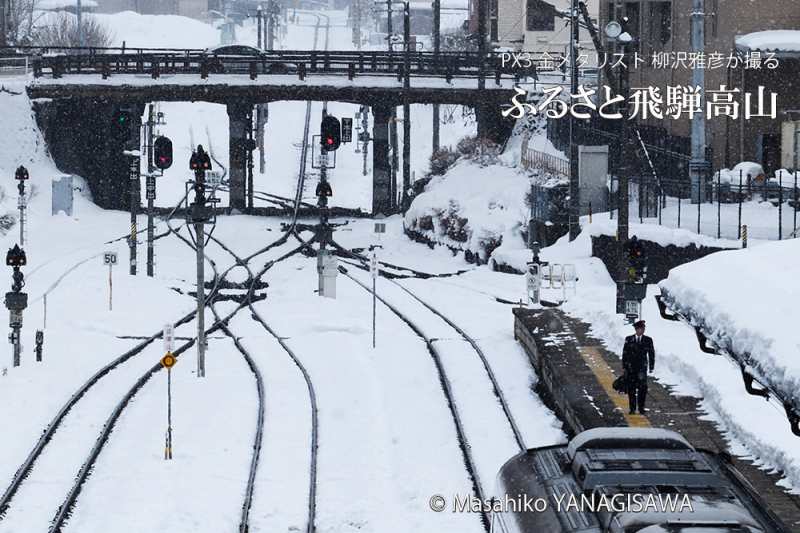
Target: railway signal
330, 133
16, 301
347, 129
168, 361
39, 345
637, 259
123, 128
21, 175
162, 152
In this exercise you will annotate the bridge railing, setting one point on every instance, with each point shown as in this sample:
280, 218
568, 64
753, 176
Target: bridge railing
109, 62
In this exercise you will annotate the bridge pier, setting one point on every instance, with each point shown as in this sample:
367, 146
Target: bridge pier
240, 117
491, 124
381, 166
80, 138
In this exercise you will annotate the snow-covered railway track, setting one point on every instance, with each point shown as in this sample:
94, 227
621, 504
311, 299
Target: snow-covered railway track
457, 389
313, 444
53, 427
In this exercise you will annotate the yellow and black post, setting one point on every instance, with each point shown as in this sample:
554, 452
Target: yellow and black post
168, 361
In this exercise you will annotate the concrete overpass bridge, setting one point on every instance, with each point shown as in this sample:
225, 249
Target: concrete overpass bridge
76, 96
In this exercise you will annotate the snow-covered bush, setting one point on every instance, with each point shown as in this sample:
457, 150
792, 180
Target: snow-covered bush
441, 161
472, 208
747, 170
458, 40
482, 151
62, 30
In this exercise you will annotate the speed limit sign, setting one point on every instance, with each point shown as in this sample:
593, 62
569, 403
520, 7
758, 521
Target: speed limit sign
110, 258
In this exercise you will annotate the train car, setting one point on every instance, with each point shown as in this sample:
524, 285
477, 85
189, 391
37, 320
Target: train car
626, 480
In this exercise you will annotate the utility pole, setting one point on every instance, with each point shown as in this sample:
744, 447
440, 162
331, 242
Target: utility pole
21, 175
79, 21
270, 25
389, 24
199, 215
698, 166
406, 106
574, 180
16, 300
3, 23
481, 42
624, 39
437, 28
356, 5
150, 190
259, 22
393, 118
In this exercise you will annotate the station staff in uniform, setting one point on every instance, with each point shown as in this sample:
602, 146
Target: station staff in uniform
638, 355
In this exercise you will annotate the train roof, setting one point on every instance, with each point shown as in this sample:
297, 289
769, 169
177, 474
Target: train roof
655, 464
627, 437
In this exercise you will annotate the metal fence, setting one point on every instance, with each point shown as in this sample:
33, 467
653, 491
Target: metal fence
535, 159
14, 66
767, 205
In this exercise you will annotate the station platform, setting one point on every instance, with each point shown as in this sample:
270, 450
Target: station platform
576, 373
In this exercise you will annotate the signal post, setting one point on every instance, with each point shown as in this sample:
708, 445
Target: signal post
168, 361
16, 300
159, 156
327, 268
199, 215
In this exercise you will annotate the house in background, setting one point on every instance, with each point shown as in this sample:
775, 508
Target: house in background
188, 8
530, 25
738, 26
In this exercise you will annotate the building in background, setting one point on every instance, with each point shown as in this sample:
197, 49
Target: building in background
530, 25
188, 8
731, 26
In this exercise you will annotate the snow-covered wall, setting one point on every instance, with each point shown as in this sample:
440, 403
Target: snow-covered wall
746, 300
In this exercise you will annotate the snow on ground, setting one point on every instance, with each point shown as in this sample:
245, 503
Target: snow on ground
755, 428
158, 31
754, 319
491, 214
387, 442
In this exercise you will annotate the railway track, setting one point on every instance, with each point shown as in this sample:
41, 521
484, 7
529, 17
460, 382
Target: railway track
314, 439
447, 383
221, 323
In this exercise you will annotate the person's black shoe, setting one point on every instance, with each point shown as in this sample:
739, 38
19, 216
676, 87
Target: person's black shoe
631, 412
641, 411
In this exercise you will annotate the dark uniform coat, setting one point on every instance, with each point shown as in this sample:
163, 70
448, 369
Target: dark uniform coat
638, 356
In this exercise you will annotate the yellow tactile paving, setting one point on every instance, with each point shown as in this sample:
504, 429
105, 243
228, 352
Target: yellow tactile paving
605, 376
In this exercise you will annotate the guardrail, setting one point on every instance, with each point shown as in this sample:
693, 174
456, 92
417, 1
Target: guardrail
109, 62
14, 66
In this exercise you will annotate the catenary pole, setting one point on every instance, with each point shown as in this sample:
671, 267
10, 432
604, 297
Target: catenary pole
698, 166
574, 184
406, 106
437, 28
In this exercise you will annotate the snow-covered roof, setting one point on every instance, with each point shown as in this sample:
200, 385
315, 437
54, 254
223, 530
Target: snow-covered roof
779, 41
61, 4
